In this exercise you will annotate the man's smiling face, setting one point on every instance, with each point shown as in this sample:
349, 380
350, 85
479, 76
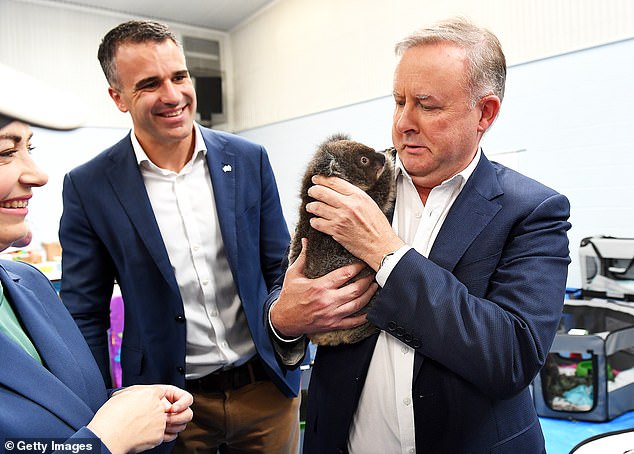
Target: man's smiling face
155, 87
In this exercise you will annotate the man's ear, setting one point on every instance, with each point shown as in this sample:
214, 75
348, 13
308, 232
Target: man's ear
116, 97
489, 108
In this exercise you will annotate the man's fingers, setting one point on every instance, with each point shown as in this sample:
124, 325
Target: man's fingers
300, 261
342, 275
352, 322
329, 194
355, 304
335, 183
358, 292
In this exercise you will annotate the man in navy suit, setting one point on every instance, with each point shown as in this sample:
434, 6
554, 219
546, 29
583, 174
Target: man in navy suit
188, 222
472, 273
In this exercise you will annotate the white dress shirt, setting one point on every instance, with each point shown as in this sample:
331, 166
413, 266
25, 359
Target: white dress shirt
384, 419
185, 210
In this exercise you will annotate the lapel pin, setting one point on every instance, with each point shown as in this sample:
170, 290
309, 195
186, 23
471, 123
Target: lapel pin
226, 168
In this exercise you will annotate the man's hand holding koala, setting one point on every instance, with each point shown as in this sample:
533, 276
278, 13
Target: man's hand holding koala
313, 306
347, 213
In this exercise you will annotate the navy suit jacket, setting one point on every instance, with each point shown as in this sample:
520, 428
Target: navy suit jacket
108, 231
58, 399
481, 313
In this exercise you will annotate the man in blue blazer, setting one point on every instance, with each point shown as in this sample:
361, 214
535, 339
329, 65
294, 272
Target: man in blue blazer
188, 222
472, 273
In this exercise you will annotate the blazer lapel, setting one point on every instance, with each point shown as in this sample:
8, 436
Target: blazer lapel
223, 170
477, 205
127, 183
60, 387
471, 212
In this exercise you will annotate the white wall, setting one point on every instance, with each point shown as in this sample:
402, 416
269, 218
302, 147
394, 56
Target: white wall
300, 57
60, 46
573, 116
566, 121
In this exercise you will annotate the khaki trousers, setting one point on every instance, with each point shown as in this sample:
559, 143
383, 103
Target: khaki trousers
256, 418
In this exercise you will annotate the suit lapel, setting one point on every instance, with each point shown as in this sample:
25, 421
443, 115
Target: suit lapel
60, 387
223, 170
471, 212
469, 215
127, 183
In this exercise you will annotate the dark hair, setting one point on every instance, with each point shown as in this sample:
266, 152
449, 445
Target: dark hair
486, 72
134, 31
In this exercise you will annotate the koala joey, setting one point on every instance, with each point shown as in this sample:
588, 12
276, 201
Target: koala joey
366, 168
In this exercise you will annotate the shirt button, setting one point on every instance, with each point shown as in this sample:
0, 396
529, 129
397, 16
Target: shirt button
205, 282
214, 313
181, 370
196, 247
412, 450
180, 318
404, 350
407, 401
418, 215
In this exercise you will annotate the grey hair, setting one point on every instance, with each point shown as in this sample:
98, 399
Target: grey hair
486, 64
134, 31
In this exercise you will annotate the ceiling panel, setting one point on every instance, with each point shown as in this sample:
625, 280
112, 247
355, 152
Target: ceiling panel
222, 15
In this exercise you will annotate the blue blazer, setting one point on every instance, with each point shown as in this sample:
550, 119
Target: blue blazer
108, 231
59, 399
481, 313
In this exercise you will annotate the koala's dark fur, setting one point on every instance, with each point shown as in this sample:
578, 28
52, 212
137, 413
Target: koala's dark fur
364, 167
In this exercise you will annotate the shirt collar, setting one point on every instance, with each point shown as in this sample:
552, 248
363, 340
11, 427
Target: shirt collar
141, 156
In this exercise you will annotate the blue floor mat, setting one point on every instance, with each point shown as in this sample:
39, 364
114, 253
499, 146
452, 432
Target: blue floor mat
562, 435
